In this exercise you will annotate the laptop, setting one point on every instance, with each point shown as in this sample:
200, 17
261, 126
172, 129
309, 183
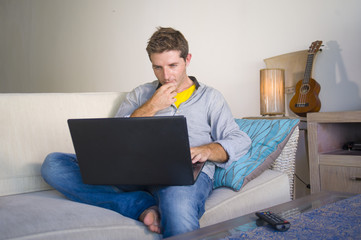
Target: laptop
137, 151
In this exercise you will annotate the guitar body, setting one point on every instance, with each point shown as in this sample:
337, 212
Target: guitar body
306, 98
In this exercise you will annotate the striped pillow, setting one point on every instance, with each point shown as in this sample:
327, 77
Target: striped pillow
268, 139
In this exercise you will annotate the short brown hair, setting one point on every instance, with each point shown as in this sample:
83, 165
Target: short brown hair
167, 39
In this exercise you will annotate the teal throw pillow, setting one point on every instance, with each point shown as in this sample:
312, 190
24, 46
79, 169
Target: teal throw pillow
268, 139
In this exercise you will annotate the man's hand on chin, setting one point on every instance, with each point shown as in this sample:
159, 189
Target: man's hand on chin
164, 96
161, 99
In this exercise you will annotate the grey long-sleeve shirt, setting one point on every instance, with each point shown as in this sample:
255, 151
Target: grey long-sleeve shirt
209, 119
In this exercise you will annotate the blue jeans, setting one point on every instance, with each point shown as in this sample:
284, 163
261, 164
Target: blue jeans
180, 207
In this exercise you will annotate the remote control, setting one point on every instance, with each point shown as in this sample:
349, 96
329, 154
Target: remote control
274, 220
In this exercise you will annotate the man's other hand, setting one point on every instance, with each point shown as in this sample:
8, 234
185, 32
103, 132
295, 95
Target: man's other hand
212, 152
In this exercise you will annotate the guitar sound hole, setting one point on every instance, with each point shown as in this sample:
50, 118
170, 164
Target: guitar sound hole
305, 88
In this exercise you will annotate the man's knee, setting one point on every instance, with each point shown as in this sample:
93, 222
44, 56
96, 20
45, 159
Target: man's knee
50, 162
53, 165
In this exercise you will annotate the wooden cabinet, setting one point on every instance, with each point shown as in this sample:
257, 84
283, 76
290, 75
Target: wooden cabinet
331, 167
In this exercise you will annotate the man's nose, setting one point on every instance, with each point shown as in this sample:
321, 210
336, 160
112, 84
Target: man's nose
166, 73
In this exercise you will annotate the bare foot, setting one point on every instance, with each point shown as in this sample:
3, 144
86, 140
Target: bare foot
150, 218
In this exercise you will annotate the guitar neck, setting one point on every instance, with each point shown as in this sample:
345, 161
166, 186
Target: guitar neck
308, 70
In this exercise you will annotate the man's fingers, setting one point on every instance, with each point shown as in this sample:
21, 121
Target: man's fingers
172, 91
196, 158
196, 155
169, 85
200, 154
173, 94
168, 89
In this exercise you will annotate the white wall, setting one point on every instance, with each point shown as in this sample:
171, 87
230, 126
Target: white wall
91, 45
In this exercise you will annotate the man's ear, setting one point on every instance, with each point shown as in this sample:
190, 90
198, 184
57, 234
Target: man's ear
188, 59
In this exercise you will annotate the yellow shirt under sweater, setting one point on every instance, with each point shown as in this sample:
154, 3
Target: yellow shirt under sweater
183, 96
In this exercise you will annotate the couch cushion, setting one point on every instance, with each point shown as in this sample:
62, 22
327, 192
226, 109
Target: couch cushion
48, 215
268, 139
268, 189
33, 125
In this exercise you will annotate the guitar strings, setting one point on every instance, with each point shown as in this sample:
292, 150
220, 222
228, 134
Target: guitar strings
302, 97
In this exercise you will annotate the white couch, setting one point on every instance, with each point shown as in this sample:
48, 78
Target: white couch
33, 125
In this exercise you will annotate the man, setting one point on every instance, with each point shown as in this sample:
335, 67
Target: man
213, 135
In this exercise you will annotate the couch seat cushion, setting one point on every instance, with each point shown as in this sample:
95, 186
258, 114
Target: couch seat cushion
48, 215
268, 189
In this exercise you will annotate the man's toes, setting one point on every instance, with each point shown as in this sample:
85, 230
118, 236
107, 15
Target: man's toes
150, 218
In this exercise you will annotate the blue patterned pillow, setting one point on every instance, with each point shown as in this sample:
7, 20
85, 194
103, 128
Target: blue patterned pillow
268, 139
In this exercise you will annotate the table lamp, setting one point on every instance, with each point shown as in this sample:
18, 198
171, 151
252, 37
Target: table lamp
272, 97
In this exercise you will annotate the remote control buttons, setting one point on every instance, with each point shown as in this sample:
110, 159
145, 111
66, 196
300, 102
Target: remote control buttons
274, 220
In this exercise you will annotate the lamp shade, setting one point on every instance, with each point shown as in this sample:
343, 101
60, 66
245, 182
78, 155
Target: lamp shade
272, 95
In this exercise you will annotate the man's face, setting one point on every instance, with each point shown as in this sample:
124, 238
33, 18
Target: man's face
169, 67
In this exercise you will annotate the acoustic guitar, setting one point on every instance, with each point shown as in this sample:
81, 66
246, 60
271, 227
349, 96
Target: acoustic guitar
306, 98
